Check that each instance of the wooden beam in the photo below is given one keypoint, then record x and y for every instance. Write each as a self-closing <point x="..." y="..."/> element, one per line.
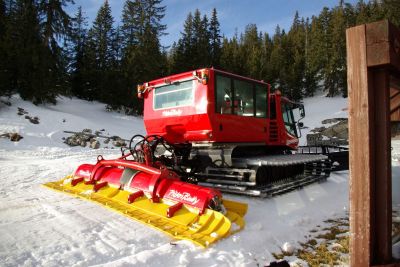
<point x="395" y="102"/>
<point x="394" y="99"/>
<point x="359" y="157"/>
<point x="371" y="57"/>
<point x="381" y="179"/>
<point x="383" y="44"/>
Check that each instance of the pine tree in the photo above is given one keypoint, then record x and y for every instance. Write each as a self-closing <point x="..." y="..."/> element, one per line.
<point x="78" y="39"/>
<point x="131" y="20"/>
<point x="339" y="50"/>
<point x="101" y="35"/>
<point x="310" y="72"/>
<point x="8" y="51"/>
<point x="56" y="22"/>
<point x="277" y="60"/>
<point x="231" y="55"/>
<point x="184" y="51"/>
<point x="55" y="26"/>
<point x="266" y="72"/>
<point x="363" y="14"/>
<point x="2" y="18"/>
<point x="35" y="70"/>
<point x="391" y="9"/>
<point x="215" y="39"/>
<point x="295" y="60"/>
<point x="100" y="56"/>
<point x="251" y="52"/>
<point x="4" y="76"/>
<point x="142" y="54"/>
<point x="201" y="41"/>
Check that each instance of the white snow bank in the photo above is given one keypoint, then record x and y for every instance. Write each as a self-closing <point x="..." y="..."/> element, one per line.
<point x="76" y="113"/>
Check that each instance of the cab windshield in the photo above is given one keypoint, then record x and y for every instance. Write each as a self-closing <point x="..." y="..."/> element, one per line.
<point x="177" y="94"/>
<point x="288" y="118"/>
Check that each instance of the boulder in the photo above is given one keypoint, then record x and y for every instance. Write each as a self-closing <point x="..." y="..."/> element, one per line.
<point x="119" y="143"/>
<point x="15" y="137"/>
<point x="334" y="135"/>
<point x="88" y="131"/>
<point x="95" y="144"/>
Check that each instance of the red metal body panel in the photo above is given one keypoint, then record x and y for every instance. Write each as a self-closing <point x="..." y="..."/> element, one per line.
<point x="285" y="139"/>
<point x="179" y="124"/>
<point x="199" y="121"/>
<point x="230" y="128"/>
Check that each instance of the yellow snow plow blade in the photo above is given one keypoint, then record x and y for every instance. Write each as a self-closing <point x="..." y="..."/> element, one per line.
<point x="186" y="224"/>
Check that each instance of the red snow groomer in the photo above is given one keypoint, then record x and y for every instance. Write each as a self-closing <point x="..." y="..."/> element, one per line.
<point x="208" y="130"/>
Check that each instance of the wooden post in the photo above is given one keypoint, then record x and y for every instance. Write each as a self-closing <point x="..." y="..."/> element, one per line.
<point x="372" y="57"/>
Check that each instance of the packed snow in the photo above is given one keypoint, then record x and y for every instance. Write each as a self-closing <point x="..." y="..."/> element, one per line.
<point x="40" y="227"/>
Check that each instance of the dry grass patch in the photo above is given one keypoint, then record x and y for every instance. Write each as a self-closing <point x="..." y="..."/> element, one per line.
<point x="325" y="246"/>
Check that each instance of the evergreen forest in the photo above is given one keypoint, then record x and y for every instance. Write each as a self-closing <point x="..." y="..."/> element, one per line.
<point x="45" y="52"/>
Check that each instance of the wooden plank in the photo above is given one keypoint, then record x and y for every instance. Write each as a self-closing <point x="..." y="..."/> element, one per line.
<point x="393" y="91"/>
<point x="394" y="40"/>
<point x="377" y="38"/>
<point x="373" y="56"/>
<point x="395" y="116"/>
<point x="359" y="155"/>
<point x="394" y="102"/>
<point x="381" y="179"/>
<point x="383" y="44"/>
<point x="394" y="99"/>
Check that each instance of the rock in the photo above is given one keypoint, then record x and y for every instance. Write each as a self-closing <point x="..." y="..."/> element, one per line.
<point x="15" y="137"/>
<point x="109" y="108"/>
<point x="115" y="137"/>
<point x="318" y="129"/>
<point x="288" y="248"/>
<point x="72" y="141"/>
<point x="334" y="120"/>
<point x="336" y="246"/>
<point x="64" y="120"/>
<point x="21" y="111"/>
<point x="95" y="144"/>
<point x="106" y="141"/>
<point x="34" y="120"/>
<point x="97" y="133"/>
<point x="334" y="135"/>
<point x="77" y="140"/>
<point x="119" y="143"/>
<point x="5" y="102"/>
<point x="88" y="131"/>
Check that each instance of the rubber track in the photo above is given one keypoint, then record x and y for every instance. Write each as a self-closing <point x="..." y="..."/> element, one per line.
<point x="317" y="168"/>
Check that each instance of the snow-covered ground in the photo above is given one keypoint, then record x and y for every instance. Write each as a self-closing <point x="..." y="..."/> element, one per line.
<point x="39" y="227"/>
